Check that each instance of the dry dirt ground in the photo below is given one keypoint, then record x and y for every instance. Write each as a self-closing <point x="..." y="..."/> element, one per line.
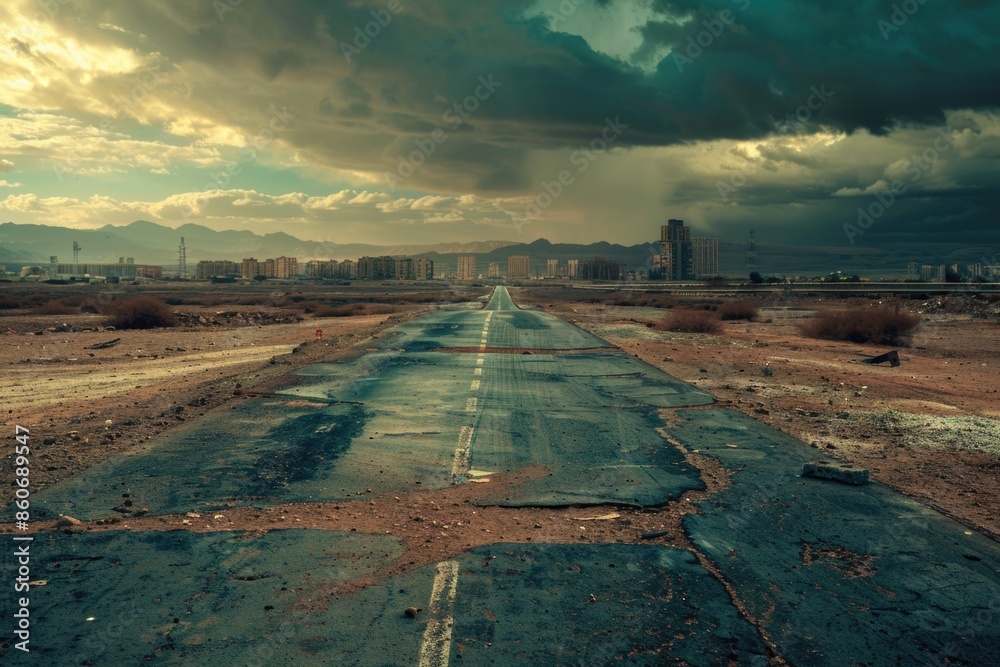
<point x="929" y="428"/>
<point x="84" y="406"/>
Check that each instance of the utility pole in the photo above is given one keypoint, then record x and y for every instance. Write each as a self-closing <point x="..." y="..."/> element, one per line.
<point x="182" y="260"/>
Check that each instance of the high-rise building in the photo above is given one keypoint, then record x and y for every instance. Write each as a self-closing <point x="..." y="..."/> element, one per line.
<point x="676" y="255"/>
<point x="211" y="269"/>
<point x="423" y="269"/>
<point x="494" y="270"/>
<point x="603" y="269"/>
<point x="376" y="268"/>
<point x="147" y="271"/>
<point x="912" y="271"/>
<point x="249" y="268"/>
<point x="270" y="268"/>
<point x="572" y="268"/>
<point x="348" y="269"/>
<point x="552" y="268"/>
<point x="286" y="267"/>
<point x="518" y="266"/>
<point x="466" y="268"/>
<point x="934" y="274"/>
<point x="704" y="257"/>
<point x="318" y="268"/>
<point x="674" y="230"/>
<point x="403" y="268"/>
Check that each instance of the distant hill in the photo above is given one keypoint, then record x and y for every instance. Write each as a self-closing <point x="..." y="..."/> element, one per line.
<point x="151" y="243"/>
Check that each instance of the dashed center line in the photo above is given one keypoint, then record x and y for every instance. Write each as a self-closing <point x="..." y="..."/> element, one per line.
<point x="475" y="385"/>
<point x="436" y="647"/>
<point x="470" y="405"/>
<point x="479" y="361"/>
<point x="477" y="371"/>
<point x="460" y="463"/>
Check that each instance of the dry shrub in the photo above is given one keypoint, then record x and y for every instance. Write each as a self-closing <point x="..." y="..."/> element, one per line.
<point x="8" y="302"/>
<point x="739" y="310"/>
<point x="691" y="321"/>
<point x="55" y="307"/>
<point x="885" y="324"/>
<point x="139" y="312"/>
<point x="343" y="310"/>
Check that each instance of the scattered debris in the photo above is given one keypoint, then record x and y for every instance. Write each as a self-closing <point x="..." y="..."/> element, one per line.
<point x="891" y="357"/>
<point x="837" y="472"/>
<point x="105" y="345"/>
<point x="236" y="319"/>
<point x="652" y="535"/>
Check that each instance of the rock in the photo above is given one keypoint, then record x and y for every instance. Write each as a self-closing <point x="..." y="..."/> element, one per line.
<point x="835" y="471"/>
<point x="411" y="612"/>
<point x="65" y="521"/>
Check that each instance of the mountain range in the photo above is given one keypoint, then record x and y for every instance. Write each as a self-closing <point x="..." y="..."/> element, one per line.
<point x="151" y="243"/>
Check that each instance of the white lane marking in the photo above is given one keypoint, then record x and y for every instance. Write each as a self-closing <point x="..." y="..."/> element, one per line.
<point x="474" y="386"/>
<point x="436" y="648"/>
<point x="479" y="361"/>
<point x="477" y="371"/>
<point x="482" y="346"/>
<point x="470" y="405"/>
<point x="460" y="463"/>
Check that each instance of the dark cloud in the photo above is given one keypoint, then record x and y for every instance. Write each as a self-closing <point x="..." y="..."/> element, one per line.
<point x="362" y="104"/>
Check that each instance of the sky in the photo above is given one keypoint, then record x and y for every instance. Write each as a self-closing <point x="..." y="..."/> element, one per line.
<point x="866" y="124"/>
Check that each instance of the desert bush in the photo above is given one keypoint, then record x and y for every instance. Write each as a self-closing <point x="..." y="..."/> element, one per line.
<point x="691" y="321"/>
<point x="885" y="324"/>
<point x="343" y="310"/>
<point x="738" y="310"/>
<point x="139" y="312"/>
<point x="73" y="301"/>
<point x="90" y="306"/>
<point x="8" y="302"/>
<point x="55" y="307"/>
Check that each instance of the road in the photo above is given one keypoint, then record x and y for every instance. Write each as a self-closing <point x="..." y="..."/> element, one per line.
<point x="496" y="469"/>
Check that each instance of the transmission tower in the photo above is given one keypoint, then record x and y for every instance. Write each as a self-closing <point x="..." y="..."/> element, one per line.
<point x="182" y="268"/>
<point x="76" y="252"/>
<point x="751" y="254"/>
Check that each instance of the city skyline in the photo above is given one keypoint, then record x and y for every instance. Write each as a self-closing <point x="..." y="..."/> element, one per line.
<point x="350" y="122"/>
<point x="697" y="257"/>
